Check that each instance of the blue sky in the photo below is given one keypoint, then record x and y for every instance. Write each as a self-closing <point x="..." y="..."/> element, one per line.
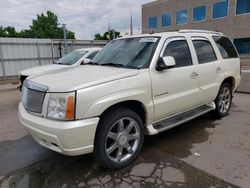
<point x="84" y="17"/>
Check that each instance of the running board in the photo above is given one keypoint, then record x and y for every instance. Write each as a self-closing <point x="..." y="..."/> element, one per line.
<point x="182" y="118"/>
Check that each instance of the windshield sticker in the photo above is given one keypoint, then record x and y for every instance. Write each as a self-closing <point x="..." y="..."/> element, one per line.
<point x="148" y="40"/>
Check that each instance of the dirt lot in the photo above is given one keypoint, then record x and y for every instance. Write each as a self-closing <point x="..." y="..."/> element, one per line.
<point x="202" y="153"/>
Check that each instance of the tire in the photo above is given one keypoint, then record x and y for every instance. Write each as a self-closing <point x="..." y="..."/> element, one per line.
<point x="119" y="138"/>
<point x="223" y="101"/>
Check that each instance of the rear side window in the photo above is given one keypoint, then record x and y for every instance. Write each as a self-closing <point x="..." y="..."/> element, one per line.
<point x="179" y="50"/>
<point x="226" y="47"/>
<point x="204" y="50"/>
<point x="91" y="56"/>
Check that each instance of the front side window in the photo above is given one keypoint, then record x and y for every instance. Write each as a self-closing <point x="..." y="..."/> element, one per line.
<point x="166" y="20"/>
<point x="225" y="47"/>
<point x="204" y="50"/>
<point x="220" y="9"/>
<point x="127" y="53"/>
<point x="242" y="45"/>
<point x="199" y="14"/>
<point x="71" y="58"/>
<point x="92" y="55"/>
<point x="242" y="7"/>
<point x="179" y="50"/>
<point x="153" y="22"/>
<point x="181" y="17"/>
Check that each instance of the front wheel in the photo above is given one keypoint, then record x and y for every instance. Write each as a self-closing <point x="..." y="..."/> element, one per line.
<point x="223" y="100"/>
<point x="119" y="138"/>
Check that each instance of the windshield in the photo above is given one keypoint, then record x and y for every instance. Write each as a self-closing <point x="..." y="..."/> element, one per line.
<point x="127" y="53"/>
<point x="71" y="58"/>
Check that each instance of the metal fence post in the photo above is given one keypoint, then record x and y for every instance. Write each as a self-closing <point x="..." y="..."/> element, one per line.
<point x="2" y="62"/>
<point x="52" y="51"/>
<point x="38" y="53"/>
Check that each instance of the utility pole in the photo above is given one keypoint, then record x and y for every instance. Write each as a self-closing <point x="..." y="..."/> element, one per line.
<point x="131" y="24"/>
<point x="65" y="38"/>
<point x="109" y="32"/>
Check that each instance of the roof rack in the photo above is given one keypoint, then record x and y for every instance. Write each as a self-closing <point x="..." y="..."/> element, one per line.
<point x="199" y="31"/>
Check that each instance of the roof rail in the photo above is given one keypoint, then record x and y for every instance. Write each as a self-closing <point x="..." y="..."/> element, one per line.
<point x="199" y="31"/>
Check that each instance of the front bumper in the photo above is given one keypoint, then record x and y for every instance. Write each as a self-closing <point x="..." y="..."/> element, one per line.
<point x="66" y="137"/>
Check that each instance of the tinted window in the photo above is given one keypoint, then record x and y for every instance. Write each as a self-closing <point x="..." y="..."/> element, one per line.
<point x="181" y="17"/>
<point x="220" y="9"/>
<point x="242" y="7"/>
<point x="153" y="22"/>
<point x="225" y="46"/>
<point x="204" y="50"/>
<point x="242" y="45"/>
<point x="166" y="20"/>
<point x="91" y="56"/>
<point x="180" y="51"/>
<point x="199" y="14"/>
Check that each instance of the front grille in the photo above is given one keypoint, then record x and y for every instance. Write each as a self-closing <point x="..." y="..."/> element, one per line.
<point x="33" y="96"/>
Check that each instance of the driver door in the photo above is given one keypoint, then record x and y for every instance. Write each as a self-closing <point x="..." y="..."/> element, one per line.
<point x="175" y="89"/>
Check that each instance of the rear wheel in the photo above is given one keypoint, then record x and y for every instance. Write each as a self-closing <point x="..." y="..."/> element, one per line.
<point x="119" y="138"/>
<point x="223" y="100"/>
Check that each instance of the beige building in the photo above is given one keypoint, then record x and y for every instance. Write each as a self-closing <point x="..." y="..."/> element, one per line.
<point x="232" y="17"/>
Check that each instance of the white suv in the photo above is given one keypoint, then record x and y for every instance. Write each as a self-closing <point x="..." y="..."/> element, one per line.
<point x="134" y="86"/>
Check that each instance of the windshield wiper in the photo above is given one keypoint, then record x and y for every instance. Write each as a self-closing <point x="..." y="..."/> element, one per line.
<point x="113" y="64"/>
<point x="91" y="63"/>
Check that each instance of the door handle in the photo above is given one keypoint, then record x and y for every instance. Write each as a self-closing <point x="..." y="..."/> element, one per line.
<point x="218" y="69"/>
<point x="194" y="74"/>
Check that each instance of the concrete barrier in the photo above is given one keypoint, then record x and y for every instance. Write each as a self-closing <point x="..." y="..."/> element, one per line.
<point x="245" y="82"/>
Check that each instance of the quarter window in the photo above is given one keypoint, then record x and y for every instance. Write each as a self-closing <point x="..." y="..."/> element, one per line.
<point x="179" y="50"/>
<point x="181" y="17"/>
<point x="220" y="9"/>
<point x="242" y="7"/>
<point x="204" y="50"/>
<point x="199" y="14"/>
<point x="166" y="20"/>
<point x="91" y="56"/>
<point x="153" y="22"/>
<point x="226" y="47"/>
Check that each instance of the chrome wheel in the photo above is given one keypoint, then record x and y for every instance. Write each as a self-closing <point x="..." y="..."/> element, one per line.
<point x="224" y="100"/>
<point x="122" y="140"/>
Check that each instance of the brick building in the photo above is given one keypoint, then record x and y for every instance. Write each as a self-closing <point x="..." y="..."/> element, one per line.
<point x="232" y="17"/>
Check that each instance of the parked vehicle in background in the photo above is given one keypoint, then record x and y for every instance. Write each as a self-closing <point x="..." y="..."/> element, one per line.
<point x="134" y="86"/>
<point x="74" y="58"/>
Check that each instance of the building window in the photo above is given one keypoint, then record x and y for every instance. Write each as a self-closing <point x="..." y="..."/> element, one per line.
<point x="181" y="17"/>
<point x="166" y="20"/>
<point x="204" y="50"/>
<point x="199" y="14"/>
<point x="242" y="45"/>
<point x="242" y="7"/>
<point x="226" y="47"/>
<point x="153" y="22"/>
<point x="220" y="9"/>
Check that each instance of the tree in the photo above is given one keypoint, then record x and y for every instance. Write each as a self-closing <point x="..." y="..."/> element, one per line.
<point x="47" y="26"/>
<point x="44" y="26"/>
<point x="105" y="36"/>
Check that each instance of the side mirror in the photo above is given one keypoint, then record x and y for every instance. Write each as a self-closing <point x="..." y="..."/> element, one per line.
<point x="85" y="61"/>
<point x="165" y="63"/>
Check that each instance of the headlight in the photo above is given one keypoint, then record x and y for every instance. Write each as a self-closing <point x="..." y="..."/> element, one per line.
<point x="61" y="106"/>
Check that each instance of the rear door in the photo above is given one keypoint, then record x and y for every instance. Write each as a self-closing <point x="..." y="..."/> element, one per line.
<point x="209" y="69"/>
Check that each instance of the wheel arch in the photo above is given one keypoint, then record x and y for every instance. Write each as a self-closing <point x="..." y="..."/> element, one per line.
<point x="230" y="80"/>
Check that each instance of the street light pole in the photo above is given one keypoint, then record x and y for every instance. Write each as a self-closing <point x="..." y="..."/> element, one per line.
<point x="65" y="38"/>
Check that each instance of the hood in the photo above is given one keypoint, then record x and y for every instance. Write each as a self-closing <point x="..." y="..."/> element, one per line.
<point x="81" y="77"/>
<point x="42" y="69"/>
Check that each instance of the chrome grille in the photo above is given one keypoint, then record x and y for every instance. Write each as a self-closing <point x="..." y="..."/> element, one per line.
<point x="33" y="96"/>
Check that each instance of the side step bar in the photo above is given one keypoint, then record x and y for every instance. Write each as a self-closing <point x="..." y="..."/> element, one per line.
<point x="182" y="118"/>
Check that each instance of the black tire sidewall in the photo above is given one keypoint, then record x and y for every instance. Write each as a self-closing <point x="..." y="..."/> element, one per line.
<point x="106" y="121"/>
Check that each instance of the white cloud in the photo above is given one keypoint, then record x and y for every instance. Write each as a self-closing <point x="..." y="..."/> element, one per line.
<point x="83" y="17"/>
